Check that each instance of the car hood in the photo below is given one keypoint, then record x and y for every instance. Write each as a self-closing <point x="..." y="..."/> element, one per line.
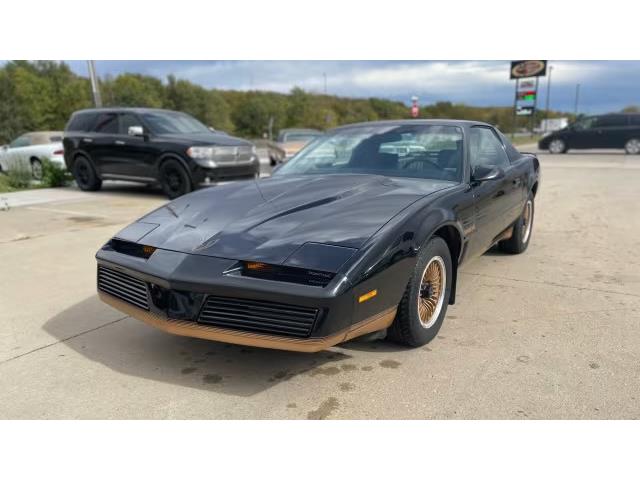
<point x="268" y="220"/>
<point x="204" y="138"/>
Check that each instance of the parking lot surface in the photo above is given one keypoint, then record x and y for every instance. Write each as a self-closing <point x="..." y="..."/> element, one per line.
<point x="552" y="333"/>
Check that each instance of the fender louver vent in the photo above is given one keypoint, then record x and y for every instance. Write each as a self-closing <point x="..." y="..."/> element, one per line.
<point x="258" y="316"/>
<point x="123" y="286"/>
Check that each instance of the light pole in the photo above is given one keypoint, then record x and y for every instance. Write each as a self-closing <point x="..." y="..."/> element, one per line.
<point x="95" y="86"/>
<point x="546" y="108"/>
<point x="324" y="75"/>
<point x="577" y="98"/>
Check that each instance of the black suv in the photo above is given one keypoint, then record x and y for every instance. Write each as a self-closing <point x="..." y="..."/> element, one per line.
<point x="614" y="130"/>
<point x="152" y="146"/>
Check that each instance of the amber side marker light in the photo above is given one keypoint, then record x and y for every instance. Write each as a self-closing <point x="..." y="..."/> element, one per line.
<point x="367" y="296"/>
<point x="147" y="250"/>
<point x="256" y="266"/>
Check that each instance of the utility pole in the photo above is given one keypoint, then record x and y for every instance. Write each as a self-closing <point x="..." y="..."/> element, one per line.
<point x="546" y="108"/>
<point x="95" y="86"/>
<point x="577" y="98"/>
<point x="325" y="82"/>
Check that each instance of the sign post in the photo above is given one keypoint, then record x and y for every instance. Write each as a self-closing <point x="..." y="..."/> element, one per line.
<point x="526" y="93"/>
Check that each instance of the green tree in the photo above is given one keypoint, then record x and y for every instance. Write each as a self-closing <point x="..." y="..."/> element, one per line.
<point x="133" y="90"/>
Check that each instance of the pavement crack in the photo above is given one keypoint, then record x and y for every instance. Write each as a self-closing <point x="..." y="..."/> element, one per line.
<point x="63" y="340"/>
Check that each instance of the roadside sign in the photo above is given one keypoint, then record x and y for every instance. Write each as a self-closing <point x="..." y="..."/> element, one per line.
<point x="527" y="95"/>
<point x="524" y="110"/>
<point x="528" y="68"/>
<point x="414" y="111"/>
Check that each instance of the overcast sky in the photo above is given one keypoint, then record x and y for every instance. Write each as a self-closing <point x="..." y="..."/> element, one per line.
<point x="605" y="85"/>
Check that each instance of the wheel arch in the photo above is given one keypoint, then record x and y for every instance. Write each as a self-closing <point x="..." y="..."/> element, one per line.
<point x="453" y="238"/>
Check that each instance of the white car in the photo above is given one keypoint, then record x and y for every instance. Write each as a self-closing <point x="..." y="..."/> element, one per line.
<point x="28" y="151"/>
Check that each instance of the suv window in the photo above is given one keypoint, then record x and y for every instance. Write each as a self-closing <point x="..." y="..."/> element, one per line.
<point x="81" y="122"/>
<point x="106" y="123"/>
<point x="611" y="121"/>
<point x="128" y="120"/>
<point x="634" y="120"/>
<point x="23" y="141"/>
<point x="584" y="123"/>
<point x="485" y="149"/>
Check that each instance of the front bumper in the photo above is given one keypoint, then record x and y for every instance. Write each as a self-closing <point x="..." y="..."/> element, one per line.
<point x="193" y="279"/>
<point x="204" y="176"/>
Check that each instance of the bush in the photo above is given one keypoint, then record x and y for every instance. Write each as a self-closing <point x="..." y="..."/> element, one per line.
<point x="53" y="175"/>
<point x="19" y="177"/>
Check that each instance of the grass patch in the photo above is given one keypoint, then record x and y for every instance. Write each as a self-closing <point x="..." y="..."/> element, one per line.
<point x="21" y="178"/>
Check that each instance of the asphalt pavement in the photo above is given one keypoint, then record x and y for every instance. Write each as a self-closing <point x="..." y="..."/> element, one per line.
<point x="552" y="333"/>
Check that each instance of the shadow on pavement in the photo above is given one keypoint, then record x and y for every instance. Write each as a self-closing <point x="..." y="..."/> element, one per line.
<point x="128" y="346"/>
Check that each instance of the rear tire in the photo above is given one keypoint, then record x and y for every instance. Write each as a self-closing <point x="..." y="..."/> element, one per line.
<point x="632" y="147"/>
<point x="174" y="179"/>
<point x="85" y="175"/>
<point x="522" y="230"/>
<point x="557" y="146"/>
<point x="425" y="300"/>
<point x="36" y="168"/>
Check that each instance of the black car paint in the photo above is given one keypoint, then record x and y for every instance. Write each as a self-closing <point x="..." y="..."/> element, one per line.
<point x="138" y="158"/>
<point x="380" y="223"/>
<point x="599" y="135"/>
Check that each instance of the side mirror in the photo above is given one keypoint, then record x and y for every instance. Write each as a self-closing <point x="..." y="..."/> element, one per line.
<point x="136" y="131"/>
<point x="486" y="174"/>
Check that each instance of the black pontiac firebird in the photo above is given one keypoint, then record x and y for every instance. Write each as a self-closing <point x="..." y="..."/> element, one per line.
<point x="362" y="231"/>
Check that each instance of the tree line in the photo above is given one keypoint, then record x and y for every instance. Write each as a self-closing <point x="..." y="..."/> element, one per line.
<point x="42" y="95"/>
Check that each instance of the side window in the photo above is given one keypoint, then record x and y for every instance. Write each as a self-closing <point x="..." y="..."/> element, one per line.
<point x="611" y="121"/>
<point x="106" y="123"/>
<point x="22" y="141"/>
<point x="486" y="150"/>
<point x="585" y="123"/>
<point x="634" y="120"/>
<point x="128" y="120"/>
<point x="81" y="122"/>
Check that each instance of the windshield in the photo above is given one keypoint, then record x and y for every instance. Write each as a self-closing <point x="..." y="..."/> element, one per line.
<point x="167" y="123"/>
<point x="419" y="151"/>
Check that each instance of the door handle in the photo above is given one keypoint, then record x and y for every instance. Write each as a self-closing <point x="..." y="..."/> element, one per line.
<point x="119" y="142"/>
<point x="87" y="140"/>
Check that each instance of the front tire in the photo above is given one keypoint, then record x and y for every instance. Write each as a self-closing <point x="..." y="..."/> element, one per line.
<point x="557" y="146"/>
<point x="522" y="230"/>
<point x="85" y="175"/>
<point x="632" y="147"/>
<point x="424" y="304"/>
<point x="174" y="179"/>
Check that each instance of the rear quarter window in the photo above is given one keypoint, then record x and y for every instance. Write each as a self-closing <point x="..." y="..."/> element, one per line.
<point x="80" y="122"/>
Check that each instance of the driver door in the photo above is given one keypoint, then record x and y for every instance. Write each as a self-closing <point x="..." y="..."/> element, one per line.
<point x="496" y="201"/>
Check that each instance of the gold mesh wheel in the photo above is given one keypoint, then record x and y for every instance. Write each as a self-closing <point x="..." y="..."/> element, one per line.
<point x="431" y="293"/>
<point x="527" y="219"/>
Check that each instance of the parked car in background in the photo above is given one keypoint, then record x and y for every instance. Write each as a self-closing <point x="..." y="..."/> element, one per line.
<point x="291" y="140"/>
<point x="29" y="150"/>
<point x="153" y="146"/>
<point x="269" y="149"/>
<point x="614" y="130"/>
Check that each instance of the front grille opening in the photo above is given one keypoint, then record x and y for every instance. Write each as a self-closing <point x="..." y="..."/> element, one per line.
<point x="279" y="273"/>
<point x="123" y="286"/>
<point x="131" y="248"/>
<point x="258" y="316"/>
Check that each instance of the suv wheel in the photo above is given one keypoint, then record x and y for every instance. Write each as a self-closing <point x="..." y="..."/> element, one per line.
<point x="557" y="146"/>
<point x="174" y="179"/>
<point x="85" y="175"/>
<point x="632" y="147"/>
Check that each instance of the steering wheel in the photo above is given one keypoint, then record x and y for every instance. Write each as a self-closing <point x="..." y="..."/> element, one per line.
<point x="423" y="159"/>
